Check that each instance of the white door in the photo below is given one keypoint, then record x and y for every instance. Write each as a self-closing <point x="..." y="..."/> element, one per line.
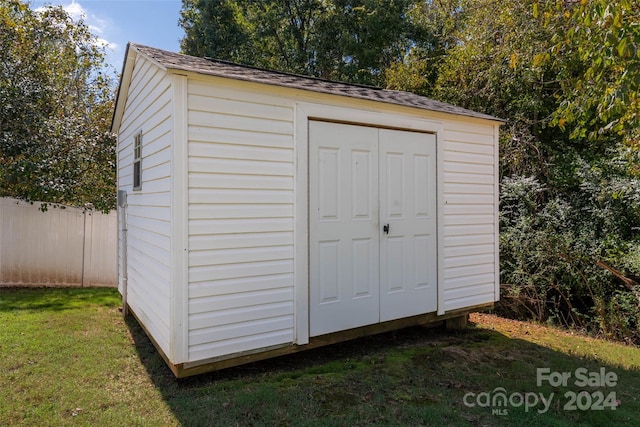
<point x="361" y="179"/>
<point x="408" y="256"/>
<point x="344" y="238"/>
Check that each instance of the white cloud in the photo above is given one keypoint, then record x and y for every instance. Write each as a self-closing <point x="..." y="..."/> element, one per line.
<point x="107" y="44"/>
<point x="96" y="24"/>
<point x="76" y="11"/>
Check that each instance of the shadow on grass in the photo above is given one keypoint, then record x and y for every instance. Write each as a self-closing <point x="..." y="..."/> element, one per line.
<point x="56" y="299"/>
<point x="414" y="376"/>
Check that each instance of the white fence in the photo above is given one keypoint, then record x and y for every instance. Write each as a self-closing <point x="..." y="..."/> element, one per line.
<point x="60" y="247"/>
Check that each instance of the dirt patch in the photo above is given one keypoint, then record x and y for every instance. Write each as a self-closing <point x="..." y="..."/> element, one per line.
<point x="456" y="353"/>
<point x="521" y="329"/>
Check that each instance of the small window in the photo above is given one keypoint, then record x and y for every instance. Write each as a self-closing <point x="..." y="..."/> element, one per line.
<point x="137" y="161"/>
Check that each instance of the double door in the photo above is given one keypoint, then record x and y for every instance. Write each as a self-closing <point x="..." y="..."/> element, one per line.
<point x="372" y="225"/>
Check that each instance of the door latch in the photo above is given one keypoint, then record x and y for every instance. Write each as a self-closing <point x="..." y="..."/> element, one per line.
<point x="385" y="228"/>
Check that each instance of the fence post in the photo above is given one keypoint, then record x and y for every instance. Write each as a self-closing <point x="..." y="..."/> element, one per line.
<point x="86" y="248"/>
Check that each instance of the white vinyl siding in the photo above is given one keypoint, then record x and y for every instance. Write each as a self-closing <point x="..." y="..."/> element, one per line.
<point x="148" y="110"/>
<point x="470" y="228"/>
<point x="240" y="221"/>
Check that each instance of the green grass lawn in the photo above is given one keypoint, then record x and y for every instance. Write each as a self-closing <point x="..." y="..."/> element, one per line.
<point x="68" y="358"/>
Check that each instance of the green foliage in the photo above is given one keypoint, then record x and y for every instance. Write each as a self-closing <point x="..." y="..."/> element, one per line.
<point x="595" y="48"/>
<point x="55" y="110"/>
<point x="490" y="69"/>
<point x="434" y="25"/>
<point x="621" y="317"/>
<point x="214" y="29"/>
<point x="553" y="249"/>
<point x="349" y="40"/>
<point x="359" y="39"/>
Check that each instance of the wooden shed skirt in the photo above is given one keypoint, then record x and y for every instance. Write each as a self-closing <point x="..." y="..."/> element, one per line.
<point x="182" y="370"/>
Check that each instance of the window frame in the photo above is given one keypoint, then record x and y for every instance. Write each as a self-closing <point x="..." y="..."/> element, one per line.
<point x="137" y="161"/>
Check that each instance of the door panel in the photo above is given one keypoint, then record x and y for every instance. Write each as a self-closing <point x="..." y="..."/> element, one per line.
<point x="362" y="168"/>
<point x="424" y="194"/>
<point x="393" y="182"/>
<point x="359" y="179"/>
<point x="344" y="237"/>
<point x="408" y="264"/>
<point x="329" y="259"/>
<point x="329" y="178"/>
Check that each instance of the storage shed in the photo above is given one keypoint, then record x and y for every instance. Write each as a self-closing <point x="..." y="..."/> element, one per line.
<point x="268" y="213"/>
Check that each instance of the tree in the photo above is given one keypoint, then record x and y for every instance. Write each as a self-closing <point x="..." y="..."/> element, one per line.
<point x="55" y="110"/>
<point x="349" y="40"/>
<point x="215" y="29"/>
<point x="433" y="26"/>
<point x="600" y="96"/>
<point x="359" y="39"/>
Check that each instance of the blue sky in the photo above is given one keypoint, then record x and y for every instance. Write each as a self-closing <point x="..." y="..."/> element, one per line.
<point x="116" y="22"/>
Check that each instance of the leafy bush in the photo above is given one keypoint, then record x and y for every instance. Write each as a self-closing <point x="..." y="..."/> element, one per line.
<point x="570" y="255"/>
<point x="621" y="317"/>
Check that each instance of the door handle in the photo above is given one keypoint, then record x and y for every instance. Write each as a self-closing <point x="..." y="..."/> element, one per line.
<point x="385" y="228"/>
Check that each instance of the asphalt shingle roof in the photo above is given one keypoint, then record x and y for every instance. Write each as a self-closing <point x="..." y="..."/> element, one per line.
<point x="213" y="67"/>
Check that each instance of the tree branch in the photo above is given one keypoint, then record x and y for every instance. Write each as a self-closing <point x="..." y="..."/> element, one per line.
<point x="628" y="282"/>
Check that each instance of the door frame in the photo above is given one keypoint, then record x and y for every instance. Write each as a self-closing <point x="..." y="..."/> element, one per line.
<point x="305" y="111"/>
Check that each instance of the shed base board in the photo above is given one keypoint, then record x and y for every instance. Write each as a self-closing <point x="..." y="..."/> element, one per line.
<point x="182" y="370"/>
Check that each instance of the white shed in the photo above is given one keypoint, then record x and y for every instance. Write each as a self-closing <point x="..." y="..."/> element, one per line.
<point x="269" y="213"/>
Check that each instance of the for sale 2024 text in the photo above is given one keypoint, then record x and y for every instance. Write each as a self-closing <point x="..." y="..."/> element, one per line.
<point x="582" y="400"/>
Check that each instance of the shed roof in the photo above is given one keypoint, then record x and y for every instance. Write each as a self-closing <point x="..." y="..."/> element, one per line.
<point x="218" y="68"/>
